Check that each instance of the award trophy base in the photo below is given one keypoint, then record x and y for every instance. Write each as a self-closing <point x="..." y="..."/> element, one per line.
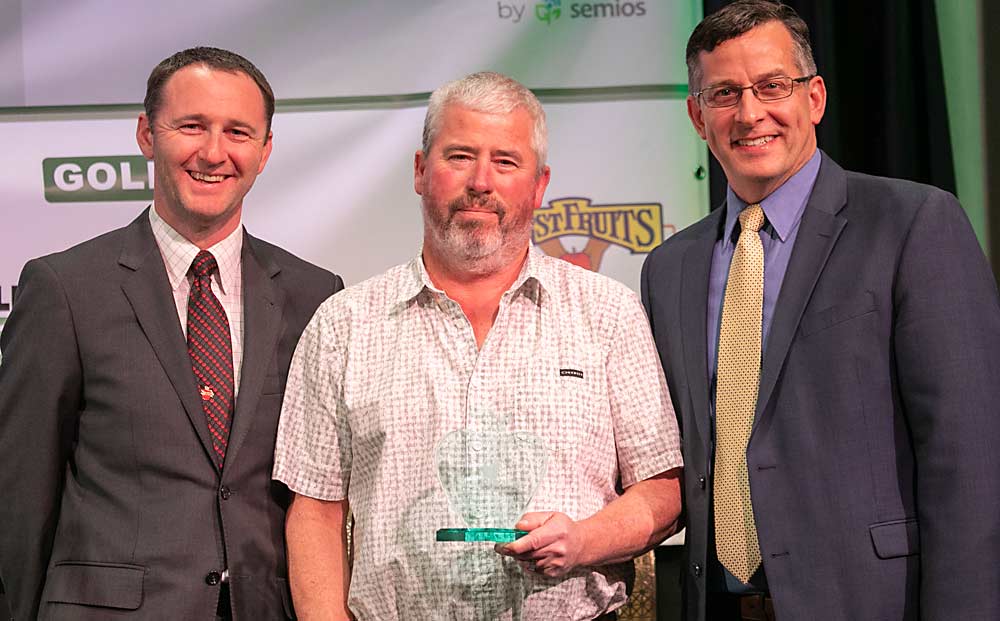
<point x="495" y="535"/>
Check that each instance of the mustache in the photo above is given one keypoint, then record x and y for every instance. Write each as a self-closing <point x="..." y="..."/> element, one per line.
<point x="482" y="203"/>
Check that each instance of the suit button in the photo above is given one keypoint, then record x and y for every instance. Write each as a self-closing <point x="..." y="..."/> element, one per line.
<point x="213" y="578"/>
<point x="225" y="492"/>
<point x="696" y="569"/>
<point x="701" y="482"/>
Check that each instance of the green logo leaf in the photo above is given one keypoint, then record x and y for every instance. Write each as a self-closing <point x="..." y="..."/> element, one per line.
<point x="548" y="11"/>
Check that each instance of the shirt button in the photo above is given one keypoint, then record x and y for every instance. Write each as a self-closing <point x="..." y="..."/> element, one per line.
<point x="213" y="578"/>
<point x="701" y="482"/>
<point x="696" y="569"/>
<point x="225" y="492"/>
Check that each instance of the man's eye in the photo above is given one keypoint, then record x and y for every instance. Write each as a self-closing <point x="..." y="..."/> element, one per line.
<point x="769" y="86"/>
<point x="724" y="91"/>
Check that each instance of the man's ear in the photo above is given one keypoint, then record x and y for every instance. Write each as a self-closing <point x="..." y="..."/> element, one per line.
<point x="419" y="162"/>
<point x="266" y="152"/>
<point x="694" y="113"/>
<point x="817" y="99"/>
<point x="144" y="136"/>
<point x="541" y="183"/>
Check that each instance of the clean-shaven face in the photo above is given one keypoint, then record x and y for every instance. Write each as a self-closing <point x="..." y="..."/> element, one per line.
<point x="208" y="142"/>
<point x="759" y="144"/>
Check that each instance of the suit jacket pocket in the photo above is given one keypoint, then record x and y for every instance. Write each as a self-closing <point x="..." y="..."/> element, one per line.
<point x="839" y="313"/>
<point x="111" y="585"/>
<point x="272" y="385"/>
<point x="896" y="538"/>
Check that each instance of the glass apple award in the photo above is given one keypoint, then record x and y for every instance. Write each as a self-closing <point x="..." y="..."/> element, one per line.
<point x="489" y="475"/>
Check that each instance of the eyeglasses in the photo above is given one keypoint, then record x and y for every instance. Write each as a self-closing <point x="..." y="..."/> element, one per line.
<point x="771" y="89"/>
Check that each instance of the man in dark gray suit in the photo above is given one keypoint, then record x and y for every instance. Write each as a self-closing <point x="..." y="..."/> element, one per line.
<point x="142" y="378"/>
<point x="836" y="371"/>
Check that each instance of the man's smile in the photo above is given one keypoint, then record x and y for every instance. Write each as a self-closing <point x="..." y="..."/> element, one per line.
<point x="197" y="176"/>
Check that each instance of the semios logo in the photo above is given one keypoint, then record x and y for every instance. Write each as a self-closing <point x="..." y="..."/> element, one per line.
<point x="97" y="179"/>
<point x="550" y="11"/>
<point x="598" y="10"/>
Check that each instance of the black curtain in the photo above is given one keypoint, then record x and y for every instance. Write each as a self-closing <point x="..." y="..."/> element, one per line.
<point x="991" y="95"/>
<point x="885" y="112"/>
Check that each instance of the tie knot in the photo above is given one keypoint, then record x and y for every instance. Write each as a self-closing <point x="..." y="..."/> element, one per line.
<point x="752" y="218"/>
<point x="204" y="264"/>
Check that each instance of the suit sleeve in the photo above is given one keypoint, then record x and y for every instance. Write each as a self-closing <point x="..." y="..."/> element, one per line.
<point x="40" y="397"/>
<point x="947" y="350"/>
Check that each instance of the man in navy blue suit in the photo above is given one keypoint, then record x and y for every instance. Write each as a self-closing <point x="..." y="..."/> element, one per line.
<point x="868" y="458"/>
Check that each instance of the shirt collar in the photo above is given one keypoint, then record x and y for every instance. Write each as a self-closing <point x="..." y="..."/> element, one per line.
<point x="783" y="208"/>
<point x="179" y="253"/>
<point x="529" y="281"/>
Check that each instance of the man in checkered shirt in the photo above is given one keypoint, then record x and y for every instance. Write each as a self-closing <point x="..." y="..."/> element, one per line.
<point x="477" y="326"/>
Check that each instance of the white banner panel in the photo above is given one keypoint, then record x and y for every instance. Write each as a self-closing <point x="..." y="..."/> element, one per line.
<point x="338" y="189"/>
<point x="101" y="51"/>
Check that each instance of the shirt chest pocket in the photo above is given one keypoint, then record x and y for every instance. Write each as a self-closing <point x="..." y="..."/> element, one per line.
<point x="565" y="403"/>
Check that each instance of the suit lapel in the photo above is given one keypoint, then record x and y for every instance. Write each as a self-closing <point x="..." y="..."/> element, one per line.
<point x="147" y="289"/>
<point x="695" y="271"/>
<point x="262" y="304"/>
<point x="818" y="232"/>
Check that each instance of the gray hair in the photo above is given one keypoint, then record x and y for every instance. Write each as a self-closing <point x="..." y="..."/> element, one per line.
<point x="737" y="19"/>
<point x="492" y="93"/>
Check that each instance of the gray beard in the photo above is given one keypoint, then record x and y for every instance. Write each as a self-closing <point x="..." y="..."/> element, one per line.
<point x="475" y="247"/>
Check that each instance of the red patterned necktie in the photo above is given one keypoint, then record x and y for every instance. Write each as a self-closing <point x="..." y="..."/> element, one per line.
<point x="211" y="350"/>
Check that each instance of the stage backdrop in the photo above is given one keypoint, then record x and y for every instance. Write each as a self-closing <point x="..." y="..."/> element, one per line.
<point x="352" y="80"/>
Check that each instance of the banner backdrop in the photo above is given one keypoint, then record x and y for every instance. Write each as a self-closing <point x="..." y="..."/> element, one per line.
<point x="101" y="51"/>
<point x="352" y="79"/>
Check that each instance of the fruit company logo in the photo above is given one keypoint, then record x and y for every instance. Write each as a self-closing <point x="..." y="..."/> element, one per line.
<point x="550" y="11"/>
<point x="103" y="178"/>
<point x="636" y="227"/>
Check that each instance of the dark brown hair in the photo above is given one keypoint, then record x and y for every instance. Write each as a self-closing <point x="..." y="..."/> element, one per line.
<point x="738" y="18"/>
<point x="213" y="58"/>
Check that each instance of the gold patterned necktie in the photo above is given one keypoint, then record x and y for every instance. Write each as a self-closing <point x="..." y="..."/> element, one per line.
<point x="737" y="379"/>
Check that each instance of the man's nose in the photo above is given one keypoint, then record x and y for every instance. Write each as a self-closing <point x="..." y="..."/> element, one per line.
<point x="749" y="109"/>
<point x="212" y="150"/>
<point x="480" y="179"/>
